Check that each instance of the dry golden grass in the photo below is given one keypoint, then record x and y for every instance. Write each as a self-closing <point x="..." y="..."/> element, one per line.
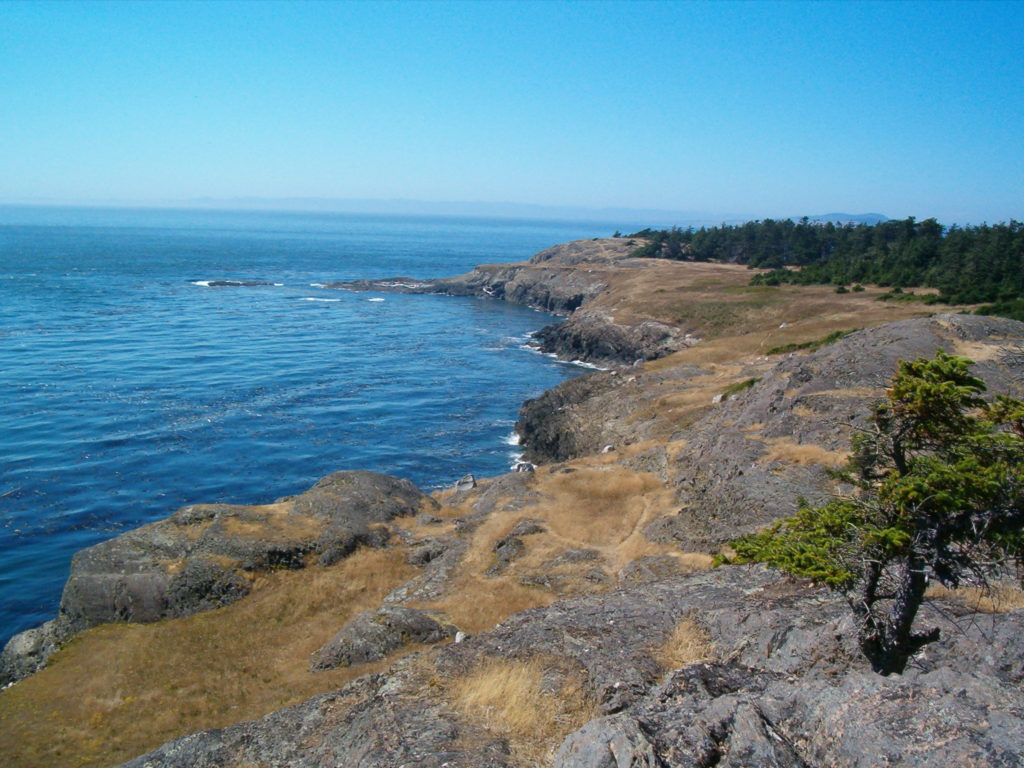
<point x="858" y="392"/>
<point x="694" y="561"/>
<point x="522" y="702"/>
<point x="804" y="454"/>
<point x="119" y="690"/>
<point x="996" y="599"/>
<point x="475" y="603"/>
<point x="737" y="324"/>
<point x="750" y="320"/>
<point x="687" y="644"/>
<point x="599" y="506"/>
<point x="978" y="351"/>
<point x="271" y="522"/>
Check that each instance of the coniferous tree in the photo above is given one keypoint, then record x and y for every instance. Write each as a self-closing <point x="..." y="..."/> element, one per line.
<point x="941" y="478"/>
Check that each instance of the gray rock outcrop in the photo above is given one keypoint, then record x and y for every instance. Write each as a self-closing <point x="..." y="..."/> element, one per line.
<point x="748" y="459"/>
<point x="786" y="688"/>
<point x="747" y="462"/>
<point x="203" y="556"/>
<point x="372" y="635"/>
<point x="596" y="337"/>
<point x="562" y="280"/>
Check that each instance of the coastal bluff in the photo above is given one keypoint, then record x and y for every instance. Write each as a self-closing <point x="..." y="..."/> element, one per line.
<point x="571" y="279"/>
<point x="567" y="616"/>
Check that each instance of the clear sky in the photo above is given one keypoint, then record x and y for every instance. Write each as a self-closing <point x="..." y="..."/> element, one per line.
<point x="744" y="109"/>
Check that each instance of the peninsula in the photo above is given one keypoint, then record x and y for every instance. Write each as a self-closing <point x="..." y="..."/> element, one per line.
<point x="567" y="615"/>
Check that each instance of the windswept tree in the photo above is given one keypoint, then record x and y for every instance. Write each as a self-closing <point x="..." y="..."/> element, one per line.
<point x="940" y="478"/>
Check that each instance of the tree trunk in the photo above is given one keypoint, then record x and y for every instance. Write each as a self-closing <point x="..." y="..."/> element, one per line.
<point x="889" y="641"/>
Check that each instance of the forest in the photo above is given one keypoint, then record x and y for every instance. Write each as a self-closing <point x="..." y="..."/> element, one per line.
<point x="981" y="264"/>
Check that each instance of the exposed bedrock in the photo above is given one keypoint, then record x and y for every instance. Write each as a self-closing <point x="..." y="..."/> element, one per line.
<point x="784" y="687"/>
<point x="596" y="337"/>
<point x="550" y="427"/>
<point x="731" y="716"/>
<point x="372" y="635"/>
<point x="562" y="280"/>
<point x="555" y="290"/>
<point x="204" y="556"/>
<point x="749" y="460"/>
<point x="745" y="461"/>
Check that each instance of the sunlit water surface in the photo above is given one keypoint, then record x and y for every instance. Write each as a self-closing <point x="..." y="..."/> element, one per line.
<point x="128" y="388"/>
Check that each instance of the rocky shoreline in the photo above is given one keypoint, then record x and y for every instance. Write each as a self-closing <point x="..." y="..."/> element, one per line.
<point x="586" y="583"/>
<point x="563" y="280"/>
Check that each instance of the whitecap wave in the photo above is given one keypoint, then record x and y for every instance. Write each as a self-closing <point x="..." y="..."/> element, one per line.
<point x="375" y="299"/>
<point x="222" y="283"/>
<point x="581" y="363"/>
<point x="317" y="285"/>
<point x="585" y="364"/>
<point x="317" y="298"/>
<point x="402" y="284"/>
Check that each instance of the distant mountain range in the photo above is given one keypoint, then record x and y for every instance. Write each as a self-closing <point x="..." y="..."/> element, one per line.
<point x="850" y="218"/>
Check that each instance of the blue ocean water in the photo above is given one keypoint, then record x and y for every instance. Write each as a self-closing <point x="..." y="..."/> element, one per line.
<point x="128" y="388"/>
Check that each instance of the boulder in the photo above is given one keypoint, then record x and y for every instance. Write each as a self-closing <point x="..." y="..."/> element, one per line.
<point x="466" y="483"/>
<point x="372" y="635"/>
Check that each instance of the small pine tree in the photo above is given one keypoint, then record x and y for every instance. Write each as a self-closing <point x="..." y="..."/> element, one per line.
<point x="940" y="474"/>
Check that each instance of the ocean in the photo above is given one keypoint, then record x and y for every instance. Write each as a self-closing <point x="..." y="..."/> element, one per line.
<point x="130" y="387"/>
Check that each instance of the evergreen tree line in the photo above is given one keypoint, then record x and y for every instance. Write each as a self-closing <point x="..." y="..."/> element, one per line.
<point x="968" y="265"/>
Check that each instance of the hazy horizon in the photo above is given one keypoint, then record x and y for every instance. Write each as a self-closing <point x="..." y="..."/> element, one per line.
<point x="625" y="220"/>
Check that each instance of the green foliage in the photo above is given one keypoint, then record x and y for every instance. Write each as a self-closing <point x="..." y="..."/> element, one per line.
<point x="940" y="473"/>
<point x="968" y="265"/>
<point x="811" y="544"/>
<point x="1013" y="309"/>
<point x="739" y="386"/>
<point x="809" y="345"/>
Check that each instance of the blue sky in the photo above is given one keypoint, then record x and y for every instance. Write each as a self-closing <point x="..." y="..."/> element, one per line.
<point x="725" y="109"/>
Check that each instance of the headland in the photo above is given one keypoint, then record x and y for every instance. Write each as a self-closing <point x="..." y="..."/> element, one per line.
<point x="567" y="615"/>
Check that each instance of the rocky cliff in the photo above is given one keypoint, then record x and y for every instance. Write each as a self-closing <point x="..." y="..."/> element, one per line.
<point x="568" y="615"/>
<point x="563" y="280"/>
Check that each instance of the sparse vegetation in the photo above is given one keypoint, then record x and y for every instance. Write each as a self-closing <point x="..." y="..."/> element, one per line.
<point x="120" y="690"/>
<point x="740" y="386"/>
<point x="898" y="294"/>
<point x="809" y="346"/>
<point x="532" y="703"/>
<point x="601" y="507"/>
<point x="687" y="644"/>
<point x="1012" y="308"/>
<point x="803" y="454"/>
<point x="994" y="598"/>
<point x="941" y="476"/>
